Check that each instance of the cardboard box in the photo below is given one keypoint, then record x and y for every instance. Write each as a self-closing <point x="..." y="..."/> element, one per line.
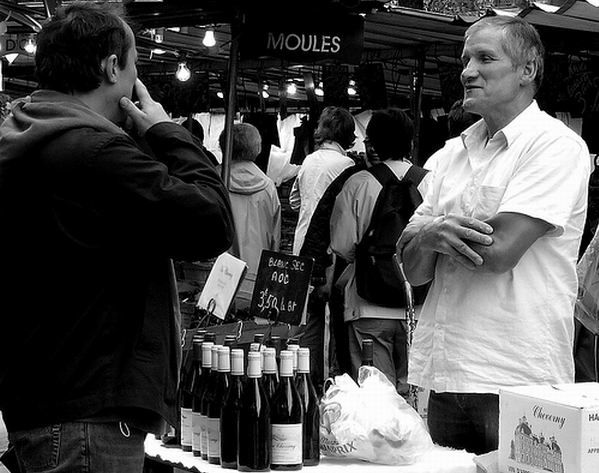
<point x="549" y="429"/>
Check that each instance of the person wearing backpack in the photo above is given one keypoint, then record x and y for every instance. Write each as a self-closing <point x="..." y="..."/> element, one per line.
<point x="356" y="217"/>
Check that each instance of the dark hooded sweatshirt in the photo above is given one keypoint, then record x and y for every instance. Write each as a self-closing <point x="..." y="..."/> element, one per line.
<point x="89" y="224"/>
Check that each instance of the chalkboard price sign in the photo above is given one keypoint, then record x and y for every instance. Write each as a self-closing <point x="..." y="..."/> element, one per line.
<point x="281" y="287"/>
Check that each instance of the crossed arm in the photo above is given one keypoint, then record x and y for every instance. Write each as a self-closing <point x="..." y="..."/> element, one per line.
<point x="493" y="246"/>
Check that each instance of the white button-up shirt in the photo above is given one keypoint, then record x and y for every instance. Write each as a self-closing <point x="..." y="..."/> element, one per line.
<point x="478" y="331"/>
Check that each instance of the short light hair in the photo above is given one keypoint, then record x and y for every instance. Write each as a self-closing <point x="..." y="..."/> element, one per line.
<point x="522" y="42"/>
<point x="335" y="124"/>
<point x="247" y="142"/>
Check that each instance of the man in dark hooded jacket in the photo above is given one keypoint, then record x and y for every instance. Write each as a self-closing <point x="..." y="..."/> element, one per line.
<point x="89" y="322"/>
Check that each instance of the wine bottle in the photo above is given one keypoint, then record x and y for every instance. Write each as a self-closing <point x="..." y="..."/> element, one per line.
<point x="254" y="439"/>
<point x="293" y="348"/>
<point x="287" y="416"/>
<point x="229" y="418"/>
<point x="187" y="387"/>
<point x="207" y="399"/>
<point x="256" y="347"/>
<point x="311" y="426"/>
<point x="276" y="343"/>
<point x="367" y="352"/>
<point x="270" y="373"/>
<point x="221" y="387"/>
<point x="197" y="423"/>
<point x="230" y="341"/>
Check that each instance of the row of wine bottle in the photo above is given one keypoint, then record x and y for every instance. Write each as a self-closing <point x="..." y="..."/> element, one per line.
<point x="267" y="418"/>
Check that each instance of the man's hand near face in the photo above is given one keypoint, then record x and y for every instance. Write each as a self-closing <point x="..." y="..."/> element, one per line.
<point x="149" y="112"/>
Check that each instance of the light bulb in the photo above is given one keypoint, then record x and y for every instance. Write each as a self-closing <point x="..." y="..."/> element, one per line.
<point x="183" y="73"/>
<point x="319" y="90"/>
<point x="209" y="39"/>
<point x="351" y="89"/>
<point x="30" y="46"/>
<point x="265" y="94"/>
<point x="291" y="88"/>
<point x="220" y="95"/>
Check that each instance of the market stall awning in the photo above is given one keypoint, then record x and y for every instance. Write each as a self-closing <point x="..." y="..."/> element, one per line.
<point x="396" y="36"/>
<point x="572" y="28"/>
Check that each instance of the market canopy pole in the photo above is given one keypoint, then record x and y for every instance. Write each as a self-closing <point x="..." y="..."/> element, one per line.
<point x="231" y="99"/>
<point x="417" y="105"/>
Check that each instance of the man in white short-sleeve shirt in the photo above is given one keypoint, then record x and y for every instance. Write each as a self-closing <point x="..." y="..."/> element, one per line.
<point x="498" y="235"/>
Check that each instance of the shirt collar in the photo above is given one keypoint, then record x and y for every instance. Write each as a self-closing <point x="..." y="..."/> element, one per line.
<point x="518" y="126"/>
<point x="334" y="146"/>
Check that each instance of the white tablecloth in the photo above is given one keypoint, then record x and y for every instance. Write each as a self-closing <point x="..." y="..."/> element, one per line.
<point x="438" y="460"/>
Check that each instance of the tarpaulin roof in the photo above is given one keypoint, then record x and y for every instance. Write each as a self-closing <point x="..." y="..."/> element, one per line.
<point x="396" y="37"/>
<point x="572" y="28"/>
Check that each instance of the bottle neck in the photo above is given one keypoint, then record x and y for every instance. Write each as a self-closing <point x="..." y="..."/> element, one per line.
<point x="286" y="370"/>
<point x="254" y="362"/>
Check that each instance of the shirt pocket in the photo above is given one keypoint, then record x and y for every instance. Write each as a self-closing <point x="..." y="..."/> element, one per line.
<point x="487" y="202"/>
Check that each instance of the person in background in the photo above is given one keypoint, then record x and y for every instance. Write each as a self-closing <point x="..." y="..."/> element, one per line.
<point x="197" y="130"/>
<point x="255" y="204"/>
<point x="389" y="132"/>
<point x="5" y="101"/>
<point x="325" y="271"/>
<point x="334" y="135"/>
<point x="498" y="235"/>
<point x="90" y="339"/>
<point x="459" y="119"/>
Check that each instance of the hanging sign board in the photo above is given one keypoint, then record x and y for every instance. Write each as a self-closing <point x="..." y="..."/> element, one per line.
<point x="281" y="288"/>
<point x="12" y="43"/>
<point x="305" y="39"/>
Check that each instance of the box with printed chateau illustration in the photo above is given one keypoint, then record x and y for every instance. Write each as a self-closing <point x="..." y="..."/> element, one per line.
<point x="549" y="429"/>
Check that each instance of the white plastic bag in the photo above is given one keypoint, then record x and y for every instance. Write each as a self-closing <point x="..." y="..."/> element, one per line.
<point x="371" y="421"/>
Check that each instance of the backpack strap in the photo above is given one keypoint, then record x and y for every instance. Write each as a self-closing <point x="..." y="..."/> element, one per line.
<point x="415" y="174"/>
<point x="384" y="174"/>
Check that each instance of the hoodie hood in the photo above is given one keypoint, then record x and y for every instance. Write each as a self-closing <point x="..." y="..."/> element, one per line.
<point x="247" y="178"/>
<point x="44" y="114"/>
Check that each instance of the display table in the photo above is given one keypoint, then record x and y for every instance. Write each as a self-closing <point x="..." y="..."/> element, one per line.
<point x="438" y="460"/>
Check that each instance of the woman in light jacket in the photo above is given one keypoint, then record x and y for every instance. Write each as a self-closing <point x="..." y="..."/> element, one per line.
<point x="255" y="204"/>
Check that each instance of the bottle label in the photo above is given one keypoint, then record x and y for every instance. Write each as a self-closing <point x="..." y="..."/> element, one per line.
<point x="213" y="437"/>
<point x="196" y="427"/>
<point x="203" y="435"/>
<point x="186" y="427"/>
<point x="286" y="444"/>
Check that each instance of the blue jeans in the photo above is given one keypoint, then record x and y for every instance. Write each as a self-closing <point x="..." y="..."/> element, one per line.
<point x="110" y="447"/>
<point x="464" y="421"/>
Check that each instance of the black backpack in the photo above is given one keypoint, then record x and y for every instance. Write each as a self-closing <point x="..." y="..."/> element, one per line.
<point x="377" y="278"/>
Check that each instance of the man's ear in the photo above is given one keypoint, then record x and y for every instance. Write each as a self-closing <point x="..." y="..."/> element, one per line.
<point x="529" y="73"/>
<point x="110" y="68"/>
